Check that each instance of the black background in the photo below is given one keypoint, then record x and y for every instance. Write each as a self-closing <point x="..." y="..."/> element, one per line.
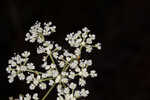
<point x="121" y="26"/>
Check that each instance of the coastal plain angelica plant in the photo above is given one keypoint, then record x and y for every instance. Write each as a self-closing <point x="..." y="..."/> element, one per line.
<point x="65" y="71"/>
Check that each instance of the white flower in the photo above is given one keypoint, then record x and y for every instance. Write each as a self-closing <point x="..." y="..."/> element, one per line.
<point x="86" y="30"/>
<point x="40" y="50"/>
<point x="36" y="80"/>
<point x="20" y="97"/>
<point x="42" y="86"/>
<point x="74" y="64"/>
<point x="10" y="79"/>
<point x="32" y="87"/>
<point x="64" y="80"/>
<point x="84" y="73"/>
<point x="44" y="75"/>
<point x="82" y="63"/>
<point x="72" y="86"/>
<point x="59" y="89"/>
<point x="55" y="73"/>
<point x="66" y="90"/>
<point x="58" y="78"/>
<point x="30" y="66"/>
<point x="68" y="59"/>
<point x="29" y="78"/>
<point x="12" y="62"/>
<point x="69" y="97"/>
<point x="93" y="73"/>
<point x="51" y="82"/>
<point x="84" y="93"/>
<point x="53" y="66"/>
<point x="53" y="28"/>
<point x="35" y="96"/>
<point x="77" y="69"/>
<point x="36" y="32"/>
<point x="47" y="29"/>
<point x="64" y="73"/>
<point x="55" y="55"/>
<point x="25" y="54"/>
<point x="98" y="46"/>
<point x="61" y="64"/>
<point x="71" y="75"/>
<point x="21" y="76"/>
<point x="50" y="46"/>
<point x="88" y="62"/>
<point x="8" y="69"/>
<point x="23" y="68"/>
<point x="88" y="48"/>
<point x="60" y="98"/>
<point x="27" y="97"/>
<point x="60" y="57"/>
<point x="82" y="82"/>
<point x="58" y="47"/>
<point x="77" y="94"/>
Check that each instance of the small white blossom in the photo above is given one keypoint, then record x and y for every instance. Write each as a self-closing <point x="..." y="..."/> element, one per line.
<point x="32" y="87"/>
<point x="42" y="86"/>
<point x="98" y="46"/>
<point x="35" y="96"/>
<point x="72" y="86"/>
<point x="64" y="80"/>
<point x="61" y="64"/>
<point x="60" y="98"/>
<point x="25" y="54"/>
<point x="30" y="66"/>
<point x="55" y="73"/>
<point x="59" y="89"/>
<point x="29" y="78"/>
<point x="21" y="76"/>
<point x="72" y="75"/>
<point x="74" y="64"/>
<point x="82" y="82"/>
<point x="84" y="73"/>
<point x="93" y="73"/>
<point x="66" y="90"/>
<point x="88" y="48"/>
<point x="27" y="97"/>
<point x="40" y="50"/>
<point x="51" y="82"/>
<point x="77" y="94"/>
<point x="53" y="65"/>
<point x="84" y="93"/>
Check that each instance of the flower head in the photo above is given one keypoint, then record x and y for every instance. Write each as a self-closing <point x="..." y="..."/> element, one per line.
<point x="60" y="68"/>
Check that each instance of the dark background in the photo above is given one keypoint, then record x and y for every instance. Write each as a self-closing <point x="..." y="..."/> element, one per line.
<point x="122" y="27"/>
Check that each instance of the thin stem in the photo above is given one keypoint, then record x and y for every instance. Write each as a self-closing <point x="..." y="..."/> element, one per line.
<point x="65" y="66"/>
<point x="51" y="57"/>
<point x="36" y="72"/>
<point x="25" y="61"/>
<point x="64" y="85"/>
<point x="42" y="37"/>
<point x="48" y="92"/>
<point x="46" y="79"/>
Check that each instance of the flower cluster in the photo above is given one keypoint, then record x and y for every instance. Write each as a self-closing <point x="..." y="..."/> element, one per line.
<point x="64" y="70"/>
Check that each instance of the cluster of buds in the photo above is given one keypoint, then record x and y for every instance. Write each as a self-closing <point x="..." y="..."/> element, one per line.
<point x="64" y="70"/>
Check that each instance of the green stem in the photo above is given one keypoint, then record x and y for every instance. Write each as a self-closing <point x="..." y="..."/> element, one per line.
<point x="46" y="79"/>
<point x="42" y="37"/>
<point x="51" y="57"/>
<point x="36" y="72"/>
<point x="48" y="92"/>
